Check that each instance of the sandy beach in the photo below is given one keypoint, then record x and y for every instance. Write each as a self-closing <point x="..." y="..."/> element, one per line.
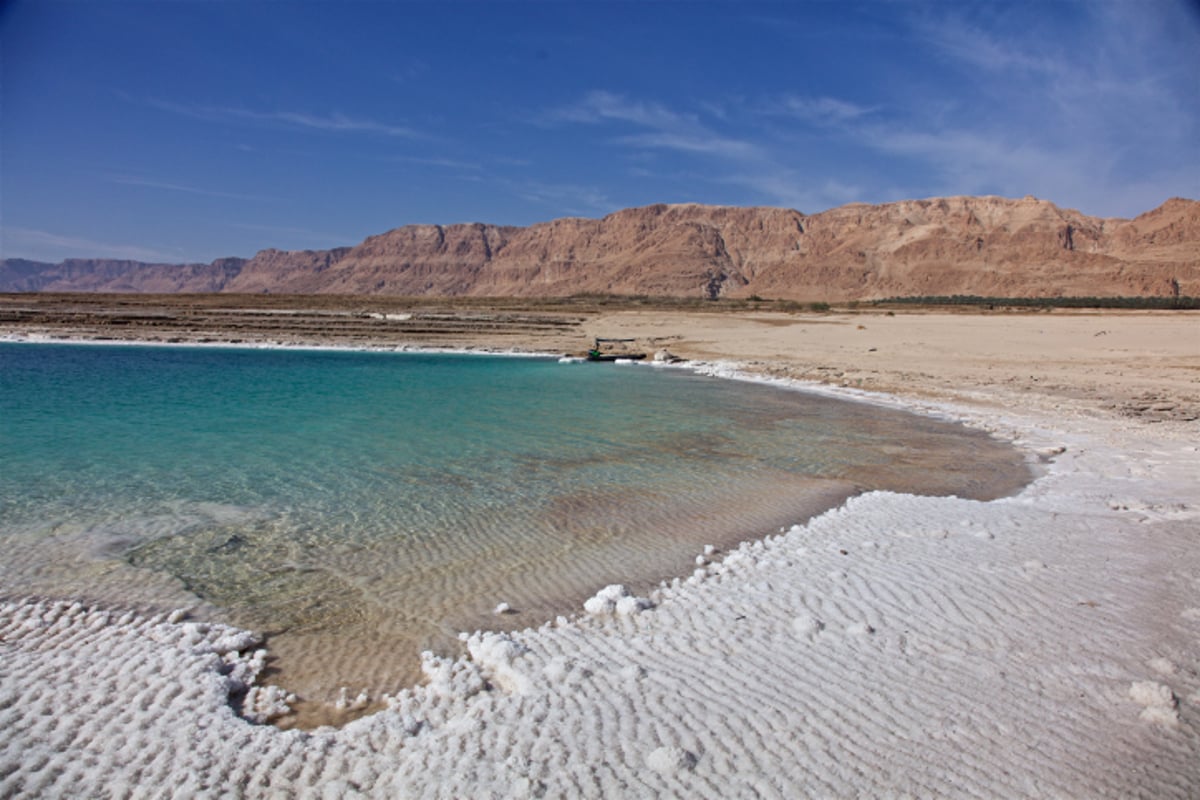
<point x="1045" y="644"/>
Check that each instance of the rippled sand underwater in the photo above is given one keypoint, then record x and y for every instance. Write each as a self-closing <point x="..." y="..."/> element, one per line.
<point x="360" y="507"/>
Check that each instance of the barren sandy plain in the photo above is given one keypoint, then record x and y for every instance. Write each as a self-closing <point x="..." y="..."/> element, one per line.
<point x="1045" y="644"/>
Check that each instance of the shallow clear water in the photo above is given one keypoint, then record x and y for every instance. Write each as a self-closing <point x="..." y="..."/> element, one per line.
<point x="363" y="506"/>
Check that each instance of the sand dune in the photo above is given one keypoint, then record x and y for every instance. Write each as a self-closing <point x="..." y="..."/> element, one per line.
<point x="1046" y="644"/>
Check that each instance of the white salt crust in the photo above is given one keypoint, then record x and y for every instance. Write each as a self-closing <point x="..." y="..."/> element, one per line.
<point x="1046" y="644"/>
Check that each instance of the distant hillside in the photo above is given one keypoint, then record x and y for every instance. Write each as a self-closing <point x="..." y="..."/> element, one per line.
<point x="988" y="246"/>
<point x="109" y="275"/>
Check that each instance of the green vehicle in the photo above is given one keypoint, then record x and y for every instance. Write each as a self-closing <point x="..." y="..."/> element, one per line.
<point x="613" y="350"/>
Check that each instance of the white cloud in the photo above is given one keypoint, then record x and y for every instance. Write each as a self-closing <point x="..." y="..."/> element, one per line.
<point x="667" y="129"/>
<point x="969" y="44"/>
<point x="822" y="110"/>
<point x="573" y="199"/>
<point x="1090" y="105"/>
<point x="1089" y="111"/>
<point x="598" y="105"/>
<point x="793" y="189"/>
<point x="718" y="158"/>
<point x="437" y="161"/>
<point x="133" y="180"/>
<point x="707" y="144"/>
<point x="335" y="122"/>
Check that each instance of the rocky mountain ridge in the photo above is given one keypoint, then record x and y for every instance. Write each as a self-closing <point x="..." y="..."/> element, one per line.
<point x="988" y="246"/>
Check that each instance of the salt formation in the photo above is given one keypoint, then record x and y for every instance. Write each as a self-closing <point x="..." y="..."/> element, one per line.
<point x="498" y="657"/>
<point x="347" y="703"/>
<point x="807" y="626"/>
<point x="1059" y="658"/>
<point x="669" y="760"/>
<point x="265" y="703"/>
<point x="615" y="598"/>
<point x="1159" y="703"/>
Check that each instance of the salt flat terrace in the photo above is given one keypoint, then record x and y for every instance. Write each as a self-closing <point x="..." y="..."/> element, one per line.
<point x="287" y="320"/>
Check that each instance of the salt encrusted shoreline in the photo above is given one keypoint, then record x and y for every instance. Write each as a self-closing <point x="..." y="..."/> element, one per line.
<point x="1044" y="644"/>
<point x="36" y="338"/>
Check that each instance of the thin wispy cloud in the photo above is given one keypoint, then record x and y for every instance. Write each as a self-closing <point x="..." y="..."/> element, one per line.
<point x="965" y="43"/>
<point x="768" y="169"/>
<point x="335" y="122"/>
<point x="1015" y="113"/>
<point x="148" y="183"/>
<point x="598" y="106"/>
<point x="965" y="161"/>
<point x="661" y="127"/>
<point x="1091" y="104"/>
<point x="791" y="188"/>
<point x="1078" y="122"/>
<point x="573" y="199"/>
<point x="437" y="161"/>
<point x="29" y="240"/>
<point x="703" y="143"/>
<point x="821" y="110"/>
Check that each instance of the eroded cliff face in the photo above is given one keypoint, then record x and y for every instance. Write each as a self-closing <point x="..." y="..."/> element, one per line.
<point x="270" y="270"/>
<point x="111" y="275"/>
<point x="957" y="245"/>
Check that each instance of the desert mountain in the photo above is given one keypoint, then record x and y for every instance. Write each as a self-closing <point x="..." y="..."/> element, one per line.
<point x="988" y="246"/>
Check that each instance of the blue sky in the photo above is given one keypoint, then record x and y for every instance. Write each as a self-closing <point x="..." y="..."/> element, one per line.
<point x="187" y="131"/>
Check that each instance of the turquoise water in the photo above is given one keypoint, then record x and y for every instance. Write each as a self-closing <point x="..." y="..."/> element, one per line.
<point x="362" y="506"/>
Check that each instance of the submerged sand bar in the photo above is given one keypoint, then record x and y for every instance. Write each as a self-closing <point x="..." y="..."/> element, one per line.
<point x="1042" y="644"/>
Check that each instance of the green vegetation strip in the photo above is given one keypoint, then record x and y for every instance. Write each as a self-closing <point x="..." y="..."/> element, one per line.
<point x="1188" y="303"/>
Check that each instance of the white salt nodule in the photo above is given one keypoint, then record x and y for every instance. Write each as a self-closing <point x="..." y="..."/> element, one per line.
<point x="346" y="703"/>
<point x="497" y="656"/>
<point x="615" y="598"/>
<point x="631" y="605"/>
<point x="265" y="703"/>
<point x="807" y="625"/>
<point x="1160" y="705"/>
<point x="235" y="642"/>
<point x="632" y="672"/>
<point x="1163" y="666"/>
<point x="669" y="760"/>
<point x="556" y="669"/>
<point x="605" y="600"/>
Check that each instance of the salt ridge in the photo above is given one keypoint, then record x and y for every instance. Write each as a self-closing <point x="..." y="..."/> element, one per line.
<point x="1042" y="644"/>
<point x="35" y="338"/>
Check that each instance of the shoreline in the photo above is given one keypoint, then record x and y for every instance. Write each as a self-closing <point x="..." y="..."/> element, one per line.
<point x="290" y="655"/>
<point x="1046" y="643"/>
<point x="1140" y="364"/>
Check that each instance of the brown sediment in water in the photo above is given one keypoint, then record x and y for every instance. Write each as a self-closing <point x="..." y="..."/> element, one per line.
<point x="638" y="541"/>
<point x="584" y="542"/>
